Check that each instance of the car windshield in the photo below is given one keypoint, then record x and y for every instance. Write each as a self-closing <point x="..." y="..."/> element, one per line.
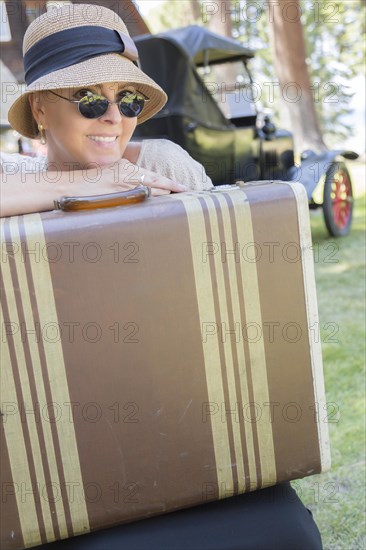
<point x="230" y="86"/>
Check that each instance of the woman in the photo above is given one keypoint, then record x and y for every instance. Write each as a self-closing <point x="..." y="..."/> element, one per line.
<point x="84" y="97"/>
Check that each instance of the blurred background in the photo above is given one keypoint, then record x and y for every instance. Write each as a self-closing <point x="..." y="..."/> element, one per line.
<point x="334" y="33"/>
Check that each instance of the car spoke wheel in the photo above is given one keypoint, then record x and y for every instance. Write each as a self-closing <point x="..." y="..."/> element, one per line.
<point x="338" y="200"/>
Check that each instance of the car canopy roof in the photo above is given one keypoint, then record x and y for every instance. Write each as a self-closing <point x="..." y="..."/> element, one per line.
<point x="200" y="44"/>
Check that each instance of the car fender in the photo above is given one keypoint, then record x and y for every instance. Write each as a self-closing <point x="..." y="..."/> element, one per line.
<point x="313" y="168"/>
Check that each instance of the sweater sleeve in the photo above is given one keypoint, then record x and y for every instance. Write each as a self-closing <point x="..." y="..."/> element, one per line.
<point x="171" y="160"/>
<point x="14" y="163"/>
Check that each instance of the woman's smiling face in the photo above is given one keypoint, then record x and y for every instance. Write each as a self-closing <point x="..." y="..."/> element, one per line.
<point x="76" y="142"/>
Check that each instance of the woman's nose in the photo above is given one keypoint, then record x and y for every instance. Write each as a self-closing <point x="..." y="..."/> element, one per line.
<point x="112" y="114"/>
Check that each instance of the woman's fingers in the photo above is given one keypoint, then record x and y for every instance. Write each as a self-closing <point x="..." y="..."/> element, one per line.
<point x="160" y="182"/>
<point x="163" y="188"/>
<point x="156" y="191"/>
<point x="156" y="181"/>
<point x="130" y="175"/>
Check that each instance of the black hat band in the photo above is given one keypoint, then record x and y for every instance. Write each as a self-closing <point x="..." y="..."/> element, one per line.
<point x="71" y="46"/>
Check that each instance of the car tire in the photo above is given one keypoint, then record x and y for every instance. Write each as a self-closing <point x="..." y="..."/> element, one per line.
<point x="338" y="200"/>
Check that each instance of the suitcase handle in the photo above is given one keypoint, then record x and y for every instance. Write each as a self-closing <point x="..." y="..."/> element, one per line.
<point x="71" y="204"/>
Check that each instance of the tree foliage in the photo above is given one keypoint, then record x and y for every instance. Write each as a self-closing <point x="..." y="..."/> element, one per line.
<point x="172" y="14"/>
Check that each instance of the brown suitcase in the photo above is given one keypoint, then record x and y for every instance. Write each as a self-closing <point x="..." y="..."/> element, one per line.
<point x="155" y="357"/>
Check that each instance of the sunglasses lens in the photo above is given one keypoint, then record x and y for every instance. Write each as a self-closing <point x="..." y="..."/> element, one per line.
<point x="93" y="106"/>
<point x="131" y="104"/>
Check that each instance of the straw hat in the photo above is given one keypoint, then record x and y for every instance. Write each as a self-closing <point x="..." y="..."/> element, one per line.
<point x="84" y="52"/>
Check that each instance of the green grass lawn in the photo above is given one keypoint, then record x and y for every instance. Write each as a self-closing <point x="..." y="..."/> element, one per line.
<point x="337" y="498"/>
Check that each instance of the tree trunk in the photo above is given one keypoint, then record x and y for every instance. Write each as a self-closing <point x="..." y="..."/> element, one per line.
<point x="220" y="20"/>
<point x="287" y="40"/>
<point x="195" y="9"/>
<point x="220" y="23"/>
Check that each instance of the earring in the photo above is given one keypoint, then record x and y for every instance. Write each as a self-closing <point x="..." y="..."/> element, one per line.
<point x="42" y="134"/>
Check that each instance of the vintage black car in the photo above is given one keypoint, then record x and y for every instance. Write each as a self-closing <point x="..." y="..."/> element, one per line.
<point x="212" y="114"/>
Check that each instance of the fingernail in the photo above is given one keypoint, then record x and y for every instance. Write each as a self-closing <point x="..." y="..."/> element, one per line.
<point x="183" y="187"/>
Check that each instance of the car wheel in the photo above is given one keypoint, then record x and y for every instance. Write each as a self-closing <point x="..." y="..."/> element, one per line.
<point x="338" y="200"/>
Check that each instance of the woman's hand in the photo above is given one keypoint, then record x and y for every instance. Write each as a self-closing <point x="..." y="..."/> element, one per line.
<point x="160" y="185"/>
<point x="123" y="176"/>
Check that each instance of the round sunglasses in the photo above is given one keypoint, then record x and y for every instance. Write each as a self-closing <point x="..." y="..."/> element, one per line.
<point x="92" y="105"/>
